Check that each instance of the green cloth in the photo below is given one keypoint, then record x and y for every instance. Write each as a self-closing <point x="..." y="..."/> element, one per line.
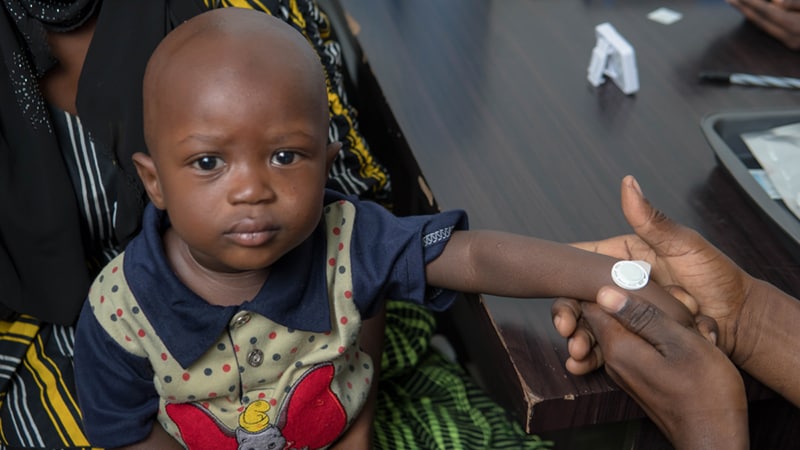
<point x="426" y="401"/>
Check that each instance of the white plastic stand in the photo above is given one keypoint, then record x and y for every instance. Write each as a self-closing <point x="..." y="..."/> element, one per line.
<point x="613" y="57"/>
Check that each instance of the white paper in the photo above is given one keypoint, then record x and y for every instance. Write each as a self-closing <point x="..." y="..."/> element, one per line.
<point x="665" y="16"/>
<point x="778" y="152"/>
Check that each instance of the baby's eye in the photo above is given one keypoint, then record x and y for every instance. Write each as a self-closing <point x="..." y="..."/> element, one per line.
<point x="207" y="162"/>
<point x="283" y="158"/>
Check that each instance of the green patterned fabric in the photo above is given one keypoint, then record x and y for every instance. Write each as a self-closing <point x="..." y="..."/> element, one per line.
<point x="425" y="401"/>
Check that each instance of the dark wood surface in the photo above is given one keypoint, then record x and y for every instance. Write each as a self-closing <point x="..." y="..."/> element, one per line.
<point x="493" y="101"/>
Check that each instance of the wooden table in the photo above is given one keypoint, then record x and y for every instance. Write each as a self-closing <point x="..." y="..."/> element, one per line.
<point x="493" y="100"/>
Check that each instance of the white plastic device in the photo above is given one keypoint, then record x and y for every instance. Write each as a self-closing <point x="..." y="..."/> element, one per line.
<point x="613" y="57"/>
<point x="631" y="275"/>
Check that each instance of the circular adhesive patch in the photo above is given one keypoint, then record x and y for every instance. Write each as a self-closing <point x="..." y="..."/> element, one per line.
<point x="631" y="275"/>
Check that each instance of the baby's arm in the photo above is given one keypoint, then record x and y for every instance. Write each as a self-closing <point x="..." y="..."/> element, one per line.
<point x="512" y="265"/>
<point x="115" y="389"/>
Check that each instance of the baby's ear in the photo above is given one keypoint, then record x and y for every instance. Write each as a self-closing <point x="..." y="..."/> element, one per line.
<point x="146" y="168"/>
<point x="332" y="151"/>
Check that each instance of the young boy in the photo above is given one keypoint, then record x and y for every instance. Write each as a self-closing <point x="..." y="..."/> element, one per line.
<point x="234" y="318"/>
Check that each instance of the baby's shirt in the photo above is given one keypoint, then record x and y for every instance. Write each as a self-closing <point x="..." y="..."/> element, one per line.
<point x="283" y="369"/>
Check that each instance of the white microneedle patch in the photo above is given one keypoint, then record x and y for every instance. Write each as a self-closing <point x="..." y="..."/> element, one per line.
<point x="631" y="275"/>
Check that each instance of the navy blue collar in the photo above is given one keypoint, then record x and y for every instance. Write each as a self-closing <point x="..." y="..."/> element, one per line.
<point x="295" y="294"/>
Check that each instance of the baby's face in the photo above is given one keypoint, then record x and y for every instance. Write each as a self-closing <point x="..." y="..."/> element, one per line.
<point x="242" y="158"/>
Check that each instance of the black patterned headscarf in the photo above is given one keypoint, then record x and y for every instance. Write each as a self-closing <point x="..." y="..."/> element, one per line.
<point x="42" y="263"/>
<point x="27" y="56"/>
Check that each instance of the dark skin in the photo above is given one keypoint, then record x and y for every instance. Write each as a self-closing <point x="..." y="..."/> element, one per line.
<point x="757" y="323"/>
<point x="779" y="18"/>
<point x="60" y="84"/>
<point x="204" y="166"/>
<point x="60" y="87"/>
<point x="691" y="390"/>
<point x="239" y="166"/>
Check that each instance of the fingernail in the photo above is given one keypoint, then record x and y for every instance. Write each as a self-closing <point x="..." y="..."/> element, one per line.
<point x="611" y="299"/>
<point x="713" y="337"/>
<point x="557" y="321"/>
<point x="636" y="186"/>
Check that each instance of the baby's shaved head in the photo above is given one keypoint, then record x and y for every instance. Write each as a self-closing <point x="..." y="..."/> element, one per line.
<point x="225" y="46"/>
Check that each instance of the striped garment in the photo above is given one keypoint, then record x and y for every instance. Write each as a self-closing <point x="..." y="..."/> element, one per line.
<point x="425" y="400"/>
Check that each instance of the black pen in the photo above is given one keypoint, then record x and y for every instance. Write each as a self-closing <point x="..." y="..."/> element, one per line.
<point x="746" y="79"/>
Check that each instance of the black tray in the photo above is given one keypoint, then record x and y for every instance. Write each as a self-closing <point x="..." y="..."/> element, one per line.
<point x="723" y="131"/>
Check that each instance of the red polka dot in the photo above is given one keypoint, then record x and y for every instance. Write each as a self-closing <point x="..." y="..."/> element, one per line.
<point x="163" y="356"/>
<point x="102" y="298"/>
<point x="206" y="405"/>
<point x="273" y="402"/>
<point x="336" y="231"/>
<point x="327" y="333"/>
<point x="226" y="368"/>
<point x="343" y="320"/>
<point x="348" y="294"/>
<point x="273" y="335"/>
<point x="114" y="269"/>
<point x="293" y="350"/>
<point x="128" y="338"/>
<point x="341" y="246"/>
<point x="236" y="348"/>
<point x="240" y="409"/>
<point x="366" y="380"/>
<point x="349" y="385"/>
<point x="261" y="395"/>
<point x="171" y="397"/>
<point x="141" y="333"/>
<point x="332" y="262"/>
<point x="212" y="394"/>
<point x="119" y="313"/>
<point x="341" y="350"/>
<point x="185" y="376"/>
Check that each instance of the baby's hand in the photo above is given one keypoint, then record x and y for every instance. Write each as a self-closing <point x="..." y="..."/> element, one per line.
<point x="584" y="354"/>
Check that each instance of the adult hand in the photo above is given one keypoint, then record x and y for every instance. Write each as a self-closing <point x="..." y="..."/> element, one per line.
<point x="683" y="262"/>
<point x="689" y="388"/>
<point x="780" y="18"/>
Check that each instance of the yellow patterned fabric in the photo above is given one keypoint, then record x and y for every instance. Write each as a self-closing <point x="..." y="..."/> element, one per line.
<point x="39" y="408"/>
<point x="425" y="401"/>
<point x="356" y="171"/>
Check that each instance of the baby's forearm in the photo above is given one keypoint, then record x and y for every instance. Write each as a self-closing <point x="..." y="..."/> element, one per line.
<point x="511" y="265"/>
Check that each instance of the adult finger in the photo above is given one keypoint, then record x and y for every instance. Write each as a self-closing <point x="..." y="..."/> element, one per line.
<point x="707" y="327"/>
<point x="684" y="297"/>
<point x="775" y="20"/>
<point x="649" y="223"/>
<point x="593" y="361"/>
<point x="565" y="313"/>
<point x="636" y="315"/>
<point x="789" y="5"/>
<point x="582" y="355"/>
